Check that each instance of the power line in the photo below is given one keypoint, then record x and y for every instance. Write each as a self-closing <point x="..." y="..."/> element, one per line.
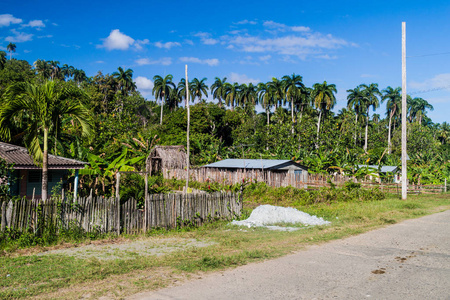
<point x="430" y="90"/>
<point x="432" y="54"/>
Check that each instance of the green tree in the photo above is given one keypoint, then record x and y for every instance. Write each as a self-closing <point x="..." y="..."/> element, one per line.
<point x="45" y="105"/>
<point x="231" y="92"/>
<point x="11" y="48"/>
<point x="293" y="89"/>
<point x="125" y="80"/>
<point x="218" y="89"/>
<point x="2" y="60"/>
<point x="355" y="102"/>
<point x="161" y="89"/>
<point x="323" y="99"/>
<point x="371" y="94"/>
<point x="198" y="88"/>
<point x="393" y="107"/>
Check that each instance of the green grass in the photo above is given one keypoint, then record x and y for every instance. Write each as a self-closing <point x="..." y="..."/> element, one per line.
<point x="31" y="275"/>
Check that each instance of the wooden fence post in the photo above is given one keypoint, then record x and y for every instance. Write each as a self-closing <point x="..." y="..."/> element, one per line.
<point x="145" y="202"/>
<point x="118" y="202"/>
<point x="3" y="224"/>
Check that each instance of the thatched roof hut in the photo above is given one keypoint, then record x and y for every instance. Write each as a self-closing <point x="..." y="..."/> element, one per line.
<point x="166" y="157"/>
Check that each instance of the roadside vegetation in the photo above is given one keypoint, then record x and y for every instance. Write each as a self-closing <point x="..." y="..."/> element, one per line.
<point x="26" y="273"/>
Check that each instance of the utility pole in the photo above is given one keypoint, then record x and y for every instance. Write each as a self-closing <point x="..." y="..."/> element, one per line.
<point x="187" y="133"/>
<point x="404" y="173"/>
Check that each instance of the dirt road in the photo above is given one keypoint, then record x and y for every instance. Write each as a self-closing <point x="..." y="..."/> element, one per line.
<point x="409" y="260"/>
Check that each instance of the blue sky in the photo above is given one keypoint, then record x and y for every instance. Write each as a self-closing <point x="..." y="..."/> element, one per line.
<point x="345" y="43"/>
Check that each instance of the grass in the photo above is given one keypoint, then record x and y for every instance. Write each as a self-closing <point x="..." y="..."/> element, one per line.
<point x="60" y="276"/>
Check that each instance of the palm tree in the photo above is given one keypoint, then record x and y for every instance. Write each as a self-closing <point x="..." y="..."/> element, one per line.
<point x="277" y="91"/>
<point x="11" y="48"/>
<point x="393" y="106"/>
<point x="264" y="97"/>
<point x="231" y="92"/>
<point x="293" y="88"/>
<point x="198" y="88"/>
<point x="247" y="95"/>
<point x="67" y="71"/>
<point x="218" y="88"/>
<point x="417" y="109"/>
<point x="161" y="89"/>
<point x="55" y="69"/>
<point x="45" y="105"/>
<point x="79" y="76"/>
<point x="125" y="80"/>
<point x="354" y="101"/>
<point x="371" y="93"/>
<point x="43" y="68"/>
<point x="323" y="99"/>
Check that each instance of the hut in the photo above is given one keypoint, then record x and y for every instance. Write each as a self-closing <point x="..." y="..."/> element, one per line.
<point x="164" y="159"/>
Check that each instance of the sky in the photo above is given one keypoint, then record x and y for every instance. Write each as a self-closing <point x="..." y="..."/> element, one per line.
<point x="346" y="43"/>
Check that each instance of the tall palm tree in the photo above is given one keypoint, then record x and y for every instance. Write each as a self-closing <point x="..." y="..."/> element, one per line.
<point x="355" y="102"/>
<point x="218" y="88"/>
<point x="55" y="72"/>
<point x="67" y="71"/>
<point x="323" y="99"/>
<point x="264" y="97"/>
<point x="161" y="89"/>
<point x="79" y="76"/>
<point x="393" y="106"/>
<point x="417" y="109"/>
<point x="125" y="80"/>
<point x="231" y="92"/>
<point x="45" y="105"/>
<point x="293" y="89"/>
<point x="198" y="88"/>
<point x="277" y="91"/>
<point x="11" y="48"/>
<point x="247" y="95"/>
<point x="43" y="68"/>
<point x="371" y="94"/>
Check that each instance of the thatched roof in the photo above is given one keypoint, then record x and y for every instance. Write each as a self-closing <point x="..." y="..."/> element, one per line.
<point x="166" y="157"/>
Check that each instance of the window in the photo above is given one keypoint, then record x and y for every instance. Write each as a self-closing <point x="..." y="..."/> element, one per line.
<point x="36" y="176"/>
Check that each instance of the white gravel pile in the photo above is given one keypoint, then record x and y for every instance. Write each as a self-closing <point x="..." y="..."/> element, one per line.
<point x="265" y="215"/>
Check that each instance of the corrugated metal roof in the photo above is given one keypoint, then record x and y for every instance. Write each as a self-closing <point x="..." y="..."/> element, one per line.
<point x="22" y="160"/>
<point x="384" y="169"/>
<point x="248" y="163"/>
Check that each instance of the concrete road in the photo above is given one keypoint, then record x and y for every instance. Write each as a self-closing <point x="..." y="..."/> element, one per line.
<point x="409" y="260"/>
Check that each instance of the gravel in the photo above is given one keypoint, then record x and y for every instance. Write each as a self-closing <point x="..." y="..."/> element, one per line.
<point x="266" y="215"/>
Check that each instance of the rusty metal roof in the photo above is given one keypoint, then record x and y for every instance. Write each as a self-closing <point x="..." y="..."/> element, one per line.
<point x="22" y="160"/>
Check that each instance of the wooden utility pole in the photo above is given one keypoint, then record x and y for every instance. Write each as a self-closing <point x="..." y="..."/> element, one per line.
<point x="187" y="133"/>
<point x="404" y="173"/>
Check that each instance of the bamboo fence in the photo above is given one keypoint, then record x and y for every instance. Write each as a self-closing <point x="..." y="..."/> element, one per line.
<point x="284" y="179"/>
<point x="105" y="215"/>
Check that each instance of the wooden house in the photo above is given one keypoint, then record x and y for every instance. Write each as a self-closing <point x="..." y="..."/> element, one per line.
<point x="28" y="176"/>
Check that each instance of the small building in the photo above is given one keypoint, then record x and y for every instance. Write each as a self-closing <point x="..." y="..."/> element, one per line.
<point x="163" y="159"/>
<point x="384" y="173"/>
<point x="28" y="176"/>
<point x="272" y="171"/>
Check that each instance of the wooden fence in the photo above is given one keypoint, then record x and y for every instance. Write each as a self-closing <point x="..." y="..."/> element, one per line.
<point x="283" y="179"/>
<point x="99" y="214"/>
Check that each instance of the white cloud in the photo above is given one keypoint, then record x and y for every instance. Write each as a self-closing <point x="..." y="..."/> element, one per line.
<point x="300" y="28"/>
<point x="138" y="44"/>
<point x="117" y="41"/>
<point x="167" y="45"/>
<point x="438" y="81"/>
<point x="367" y="76"/>
<point x="144" y="85"/>
<point x="210" y="62"/>
<point x="206" y="39"/>
<point x="8" y="19"/>
<point x="45" y="36"/>
<point x="165" y="61"/>
<point x="189" y="42"/>
<point x="301" y="46"/>
<point x="26" y="51"/>
<point x="242" y="78"/>
<point x="99" y="62"/>
<point x="35" y="24"/>
<point x="243" y="22"/>
<point x="265" y="57"/>
<point x="19" y="37"/>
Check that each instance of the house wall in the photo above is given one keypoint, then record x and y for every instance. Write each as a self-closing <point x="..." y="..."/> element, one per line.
<point x="34" y="181"/>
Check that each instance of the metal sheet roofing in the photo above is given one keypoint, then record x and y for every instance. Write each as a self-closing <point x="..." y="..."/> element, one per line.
<point x="384" y="169"/>
<point x="22" y="160"/>
<point x="248" y="163"/>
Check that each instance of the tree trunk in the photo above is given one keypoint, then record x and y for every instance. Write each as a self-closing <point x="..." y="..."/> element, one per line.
<point x="292" y="113"/>
<point x="161" y="115"/>
<point x="367" y="131"/>
<point x="45" y="167"/>
<point x="318" y="129"/>
<point x="268" y="116"/>
<point x="389" y="134"/>
<point x="301" y="114"/>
